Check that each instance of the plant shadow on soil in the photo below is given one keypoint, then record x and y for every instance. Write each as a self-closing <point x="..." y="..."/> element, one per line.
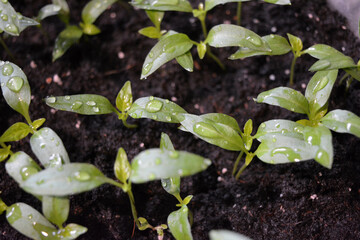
<point x="291" y="201"/>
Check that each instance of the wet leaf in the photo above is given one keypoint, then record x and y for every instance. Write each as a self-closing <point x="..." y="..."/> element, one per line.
<point x="94" y="9"/>
<point x="157" y="109"/>
<point x="48" y="148"/>
<point x="210" y="4"/>
<point x="38" y="123"/>
<point x="122" y="166"/>
<point x="320" y="138"/>
<point x="281" y="127"/>
<point x="87" y="104"/>
<point x="342" y="121"/>
<point x="248" y="139"/>
<point x="69" y="179"/>
<point x="227" y="35"/>
<point x="48" y="10"/>
<point x="124" y="98"/>
<point x="169" y="47"/>
<point x="285" y="97"/>
<point x="319" y="89"/>
<point x="295" y="42"/>
<point x="163" y="5"/>
<point x="68" y="37"/>
<point x="154" y="164"/>
<point x="150" y="32"/>
<point x="223" y="119"/>
<point x="15" y="87"/>
<point x="179" y="224"/>
<point x="15" y="132"/>
<point x="56" y="209"/>
<point x="186" y="61"/>
<point x="155" y="17"/>
<point x="216" y="133"/>
<point x="71" y="231"/>
<point x="226" y="235"/>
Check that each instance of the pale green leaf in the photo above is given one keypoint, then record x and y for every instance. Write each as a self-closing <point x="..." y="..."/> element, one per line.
<point x="215" y="133"/>
<point x="201" y="49"/>
<point x="124" y="98"/>
<point x="165" y="143"/>
<point x="279" y="2"/>
<point x="15" y="87"/>
<point x="163" y="5"/>
<point x="48" y="10"/>
<point x="56" y="209"/>
<point x="155" y="17"/>
<point x="64" y="13"/>
<point x="157" y="109"/>
<point x="94" y="9"/>
<point x="228" y="35"/>
<point x="49" y="148"/>
<point x="342" y="121"/>
<point x="38" y="123"/>
<point x="226" y="235"/>
<point x="179" y="225"/>
<point x="68" y="37"/>
<point x="71" y="231"/>
<point x="154" y="164"/>
<point x="15" y="132"/>
<point x="89" y="29"/>
<point x="210" y="4"/>
<point x="268" y="129"/>
<point x="87" y="104"/>
<point x="186" y="61"/>
<point x="150" y="32"/>
<point x="223" y="119"/>
<point x="66" y="180"/>
<point x="285" y="97"/>
<point x="4" y="153"/>
<point x="319" y="89"/>
<point x="295" y="42"/>
<point x="169" y="47"/>
<point x="122" y="166"/>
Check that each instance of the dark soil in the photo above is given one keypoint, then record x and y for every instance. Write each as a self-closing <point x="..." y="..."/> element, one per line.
<point x="291" y="201"/>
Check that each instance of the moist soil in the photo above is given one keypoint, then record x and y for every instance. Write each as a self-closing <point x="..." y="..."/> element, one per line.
<point x="289" y="201"/>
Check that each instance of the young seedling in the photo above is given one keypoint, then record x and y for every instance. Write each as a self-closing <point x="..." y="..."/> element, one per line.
<point x="57" y="7"/>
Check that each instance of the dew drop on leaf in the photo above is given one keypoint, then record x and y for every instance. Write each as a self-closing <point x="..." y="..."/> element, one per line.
<point x="51" y="100"/>
<point x="42" y="145"/>
<point x="40" y="182"/>
<point x="205" y="130"/>
<point x="11" y="28"/>
<point x="15" y="84"/>
<point x="27" y="171"/>
<point x="288" y="152"/>
<point x="67" y="97"/>
<point x="151" y="54"/>
<point x="96" y="109"/>
<point x="168" y="118"/>
<point x="7" y="70"/>
<point x="30" y="216"/>
<point x="254" y="40"/>
<point x="4" y="1"/>
<point x="13" y="213"/>
<point x="158" y="161"/>
<point x="76" y="105"/>
<point x="147" y="68"/>
<point x="321" y="84"/>
<point x="174" y="154"/>
<point x="154" y="106"/>
<point x="90" y="103"/>
<point x="82" y="176"/>
<point x="152" y="176"/>
<point x="4" y="17"/>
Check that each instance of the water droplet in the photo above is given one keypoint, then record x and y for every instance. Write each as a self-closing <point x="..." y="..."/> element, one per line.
<point x="263" y="125"/>
<point x="298" y="129"/>
<point x="168" y="118"/>
<point x="277" y="125"/>
<point x="13" y="213"/>
<point x="96" y="109"/>
<point x="174" y="154"/>
<point x="154" y="117"/>
<point x="4" y="1"/>
<point x="27" y="171"/>
<point x="90" y="103"/>
<point x="154" y="106"/>
<point x="30" y="216"/>
<point x="76" y="105"/>
<point x="288" y="152"/>
<point x="11" y="28"/>
<point x="164" y="184"/>
<point x="151" y="98"/>
<point x="4" y="17"/>
<point x="348" y="126"/>
<point x="180" y="172"/>
<point x="151" y="54"/>
<point x="146" y="69"/>
<point x="321" y="84"/>
<point x="67" y="97"/>
<point x="42" y="145"/>
<point x="51" y="100"/>
<point x="255" y="40"/>
<point x="15" y="84"/>
<point x="57" y="143"/>
<point x="205" y="130"/>
<point x="207" y="162"/>
<point x="82" y="176"/>
<point x="322" y="65"/>
<point x="55" y="160"/>
<point x="158" y="161"/>
<point x="152" y="176"/>
<point x="167" y="101"/>
<point x="169" y="50"/>
<point x="40" y="182"/>
<point x="274" y="140"/>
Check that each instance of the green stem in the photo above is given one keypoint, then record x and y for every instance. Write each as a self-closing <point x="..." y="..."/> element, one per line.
<point x="343" y="78"/>
<point x="7" y="50"/>
<point x="237" y="162"/>
<point x="292" y="70"/>
<point x="215" y="58"/>
<point x="203" y="25"/>
<point x="248" y="159"/>
<point x="133" y="208"/>
<point x="238" y="14"/>
<point x="128" y="125"/>
<point x="178" y="197"/>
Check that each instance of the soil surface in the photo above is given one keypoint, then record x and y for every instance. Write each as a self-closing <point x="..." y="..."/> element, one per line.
<point x="290" y="201"/>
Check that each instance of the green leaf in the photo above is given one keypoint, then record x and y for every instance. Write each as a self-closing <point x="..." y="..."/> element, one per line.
<point x="248" y="139"/>
<point x="342" y="121"/>
<point x="4" y="153"/>
<point x="186" y="61"/>
<point x="168" y="48"/>
<point x="295" y="42"/>
<point x="122" y="166"/>
<point x="154" y="164"/>
<point x="71" y="231"/>
<point x="319" y="88"/>
<point x="279" y="2"/>
<point x="48" y="148"/>
<point x="165" y="143"/>
<point x="227" y="35"/>
<point x="201" y="49"/>
<point x="179" y="225"/>
<point x="64" y="13"/>
<point x="15" y="88"/>
<point x="28" y="220"/>
<point x="320" y="138"/>
<point x="223" y="119"/>
<point x="15" y="132"/>
<point x="150" y="32"/>
<point x="210" y="4"/>
<point x="268" y="129"/>
<point x="277" y="44"/>
<point x="354" y="72"/>
<point x="3" y="207"/>
<point x="216" y="133"/>
<point x="90" y="29"/>
<point x="68" y="37"/>
<point x="38" y="123"/>
<point x="66" y="180"/>
<point x="94" y="9"/>
<point x="20" y="167"/>
<point x="285" y="97"/>
<point x="163" y="5"/>
<point x="87" y="104"/>
<point x="48" y="10"/>
<point x="157" y="109"/>
<point x="329" y="58"/>
<point x="155" y="17"/>
<point x="56" y="209"/>
<point x="226" y="235"/>
<point x="124" y="98"/>
<point x="12" y="22"/>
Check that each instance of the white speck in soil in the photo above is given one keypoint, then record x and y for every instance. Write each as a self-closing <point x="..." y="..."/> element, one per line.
<point x="121" y="55"/>
<point x="57" y="80"/>
<point x="53" y="111"/>
<point x="33" y="65"/>
<point x="273" y="29"/>
<point x="313" y="197"/>
<point x="112" y="15"/>
<point x="141" y="145"/>
<point x="78" y="123"/>
<point x="287" y="71"/>
<point x="219" y="179"/>
<point x="310" y="16"/>
<point x="174" y="99"/>
<point x="197" y="106"/>
<point x="303" y="85"/>
<point x="272" y="77"/>
<point x="224" y="170"/>
<point x="227" y="22"/>
<point x="256" y="21"/>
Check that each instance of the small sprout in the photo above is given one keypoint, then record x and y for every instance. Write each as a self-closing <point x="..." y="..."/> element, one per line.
<point x="201" y="48"/>
<point x="143" y="224"/>
<point x="15" y="132"/>
<point x="124" y="98"/>
<point x="122" y="167"/>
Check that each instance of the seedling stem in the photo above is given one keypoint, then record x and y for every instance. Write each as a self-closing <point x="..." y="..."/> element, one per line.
<point x="238" y="14"/>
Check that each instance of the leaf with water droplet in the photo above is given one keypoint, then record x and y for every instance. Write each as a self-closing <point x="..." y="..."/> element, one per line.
<point x="94" y="9"/>
<point x="226" y="235"/>
<point x="38" y="123"/>
<point x="87" y="104"/>
<point x="48" y="148"/>
<point x="56" y="209"/>
<point x="161" y="109"/>
<point x="319" y="89"/>
<point x="71" y="231"/>
<point x="285" y="97"/>
<point x="342" y="121"/>
<point x="271" y="128"/>
<point x="186" y="61"/>
<point x="124" y="98"/>
<point x="66" y="182"/>
<point x="168" y="47"/>
<point x="179" y="225"/>
<point x="48" y="10"/>
<point x="15" y="132"/>
<point x="163" y="5"/>
<point x="68" y="37"/>
<point x="228" y="35"/>
<point x="15" y="88"/>
<point x="147" y="164"/>
<point x="122" y="166"/>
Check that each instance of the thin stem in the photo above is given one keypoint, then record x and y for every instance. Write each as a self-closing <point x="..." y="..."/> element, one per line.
<point x="238" y="14"/>
<point x="129" y="125"/>
<point x="203" y="25"/>
<point x="237" y="162"/>
<point x="215" y="58"/>
<point x="248" y="159"/>
<point x="292" y="70"/>
<point x="7" y="50"/>
<point x="133" y="208"/>
<point x="178" y="197"/>
<point x="240" y="171"/>
<point x="343" y="78"/>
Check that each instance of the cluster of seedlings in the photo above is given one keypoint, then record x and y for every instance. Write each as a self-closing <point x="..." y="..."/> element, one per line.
<point x="280" y="140"/>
